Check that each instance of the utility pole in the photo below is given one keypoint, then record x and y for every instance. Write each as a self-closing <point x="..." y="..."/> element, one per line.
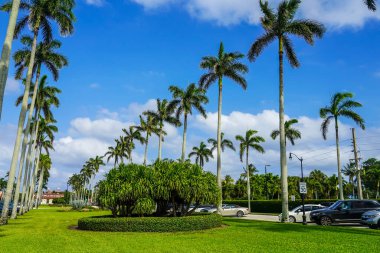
<point x="360" y="192"/>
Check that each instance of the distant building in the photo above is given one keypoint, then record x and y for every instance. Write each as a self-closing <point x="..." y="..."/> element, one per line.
<point x="47" y="197"/>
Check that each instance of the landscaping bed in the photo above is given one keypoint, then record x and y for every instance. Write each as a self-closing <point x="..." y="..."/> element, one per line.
<point x="150" y="224"/>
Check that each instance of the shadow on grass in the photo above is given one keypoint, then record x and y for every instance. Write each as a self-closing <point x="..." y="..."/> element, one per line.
<point x="283" y="228"/>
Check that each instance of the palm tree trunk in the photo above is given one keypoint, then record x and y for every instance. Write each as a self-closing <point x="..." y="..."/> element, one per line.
<point x="284" y="167"/>
<point x="21" y="121"/>
<point x="7" y="49"/>
<point x="184" y="137"/>
<point x="39" y="191"/>
<point x="340" y="181"/>
<point x="33" y="181"/>
<point x="353" y="187"/>
<point x="146" y="148"/>
<point x="248" y="181"/>
<point x="24" y="144"/>
<point x="219" y="139"/>
<point x="160" y="144"/>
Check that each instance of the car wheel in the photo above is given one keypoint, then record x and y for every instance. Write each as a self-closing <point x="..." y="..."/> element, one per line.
<point x="239" y="214"/>
<point x="325" y="221"/>
<point x="292" y="219"/>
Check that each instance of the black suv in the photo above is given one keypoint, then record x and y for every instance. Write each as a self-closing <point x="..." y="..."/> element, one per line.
<point x="349" y="211"/>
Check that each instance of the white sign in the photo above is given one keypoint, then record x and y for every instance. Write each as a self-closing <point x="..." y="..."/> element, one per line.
<point x="293" y="198"/>
<point x="303" y="188"/>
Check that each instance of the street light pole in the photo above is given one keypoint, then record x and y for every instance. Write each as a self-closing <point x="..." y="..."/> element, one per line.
<point x="266" y="182"/>
<point x="302" y="194"/>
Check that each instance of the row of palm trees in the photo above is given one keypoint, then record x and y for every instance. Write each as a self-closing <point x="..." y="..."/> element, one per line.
<point x="36" y="134"/>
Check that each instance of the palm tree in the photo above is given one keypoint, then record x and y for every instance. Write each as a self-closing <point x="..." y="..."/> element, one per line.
<point x="7" y="49"/>
<point x="341" y="105"/>
<point x="350" y="171"/>
<point x="162" y="115"/>
<point x="118" y="152"/>
<point x="225" y="143"/>
<point x="130" y="135"/>
<point x="201" y="153"/>
<point x="45" y="165"/>
<point x="149" y="126"/>
<point x="184" y="101"/>
<point x="280" y="25"/>
<point x="371" y="4"/>
<point x="291" y="134"/>
<point x="40" y="14"/>
<point x="223" y="65"/>
<point x="250" y="140"/>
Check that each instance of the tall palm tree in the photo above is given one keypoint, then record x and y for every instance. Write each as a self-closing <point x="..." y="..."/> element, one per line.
<point x="40" y="13"/>
<point x="202" y="154"/>
<point x="184" y="101"/>
<point x="131" y="135"/>
<point x="350" y="171"/>
<point x="118" y="153"/>
<point x="280" y="25"/>
<point x="291" y="134"/>
<point x="371" y="4"/>
<point x="45" y="165"/>
<point x="223" y="65"/>
<point x="341" y="105"/>
<point x="250" y="140"/>
<point x="224" y="143"/>
<point x="163" y="114"/>
<point x="149" y="126"/>
<point x="7" y="49"/>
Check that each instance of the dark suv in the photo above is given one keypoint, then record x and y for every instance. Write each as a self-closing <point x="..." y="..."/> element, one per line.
<point x="349" y="211"/>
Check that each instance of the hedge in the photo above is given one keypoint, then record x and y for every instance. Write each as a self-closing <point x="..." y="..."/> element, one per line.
<point x="150" y="224"/>
<point x="274" y="206"/>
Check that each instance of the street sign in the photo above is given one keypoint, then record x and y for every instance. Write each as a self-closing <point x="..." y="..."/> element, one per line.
<point x="303" y="188"/>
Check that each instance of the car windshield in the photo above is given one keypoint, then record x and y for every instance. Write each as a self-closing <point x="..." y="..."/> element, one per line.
<point x="295" y="209"/>
<point x="335" y="205"/>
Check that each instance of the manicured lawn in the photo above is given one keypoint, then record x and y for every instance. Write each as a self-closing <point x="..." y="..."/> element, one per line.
<point x="48" y="230"/>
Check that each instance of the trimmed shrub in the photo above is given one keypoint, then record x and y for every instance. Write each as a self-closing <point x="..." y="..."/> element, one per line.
<point x="151" y="224"/>
<point x="274" y="206"/>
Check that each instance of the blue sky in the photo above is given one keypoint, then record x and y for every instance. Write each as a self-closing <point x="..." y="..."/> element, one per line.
<point x="124" y="54"/>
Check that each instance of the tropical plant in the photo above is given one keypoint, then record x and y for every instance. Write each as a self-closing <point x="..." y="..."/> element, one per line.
<point x="118" y="153"/>
<point x="341" y="105"/>
<point x="45" y="165"/>
<point x="291" y="134"/>
<point x="280" y="24"/>
<point x="223" y="65"/>
<point x="224" y="143"/>
<point x="350" y="171"/>
<point x="250" y="140"/>
<point x="130" y="136"/>
<point x="184" y="101"/>
<point x="149" y="126"/>
<point x="162" y="115"/>
<point x="371" y="4"/>
<point x="202" y="154"/>
<point x="40" y="13"/>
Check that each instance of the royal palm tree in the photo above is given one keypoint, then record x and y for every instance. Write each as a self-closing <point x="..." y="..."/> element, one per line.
<point x="163" y="114"/>
<point x="7" y="49"/>
<point x="117" y="153"/>
<point x="371" y="4"/>
<point x="225" y="143"/>
<point x="223" y="65"/>
<point x="250" y="140"/>
<point x="341" y="105"/>
<point x="279" y="25"/>
<point x="291" y="134"/>
<point x="39" y="15"/>
<point x="202" y="154"/>
<point x="45" y="165"/>
<point x="131" y="135"/>
<point x="149" y="126"/>
<point x="184" y="101"/>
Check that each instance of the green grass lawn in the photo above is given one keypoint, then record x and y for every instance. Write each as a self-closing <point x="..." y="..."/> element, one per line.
<point x="48" y="230"/>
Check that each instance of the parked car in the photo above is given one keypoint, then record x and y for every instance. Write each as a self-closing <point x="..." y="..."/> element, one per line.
<point x="371" y="218"/>
<point x="201" y="208"/>
<point x="231" y="210"/>
<point x="343" y="211"/>
<point x="296" y="214"/>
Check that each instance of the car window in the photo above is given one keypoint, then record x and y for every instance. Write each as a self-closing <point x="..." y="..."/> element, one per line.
<point x="346" y="205"/>
<point x="359" y="204"/>
<point x="317" y="207"/>
<point x="307" y="208"/>
<point x="372" y="204"/>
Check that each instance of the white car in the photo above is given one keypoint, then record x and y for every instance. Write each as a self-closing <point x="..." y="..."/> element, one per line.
<point x="231" y="210"/>
<point x="295" y="215"/>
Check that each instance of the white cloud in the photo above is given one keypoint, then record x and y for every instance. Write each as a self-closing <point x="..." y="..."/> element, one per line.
<point x="97" y="3"/>
<point x="333" y="13"/>
<point x="12" y="86"/>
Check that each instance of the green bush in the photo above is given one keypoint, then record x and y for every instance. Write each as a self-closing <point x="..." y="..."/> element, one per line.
<point x="273" y="206"/>
<point x="59" y="201"/>
<point x="151" y="224"/>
